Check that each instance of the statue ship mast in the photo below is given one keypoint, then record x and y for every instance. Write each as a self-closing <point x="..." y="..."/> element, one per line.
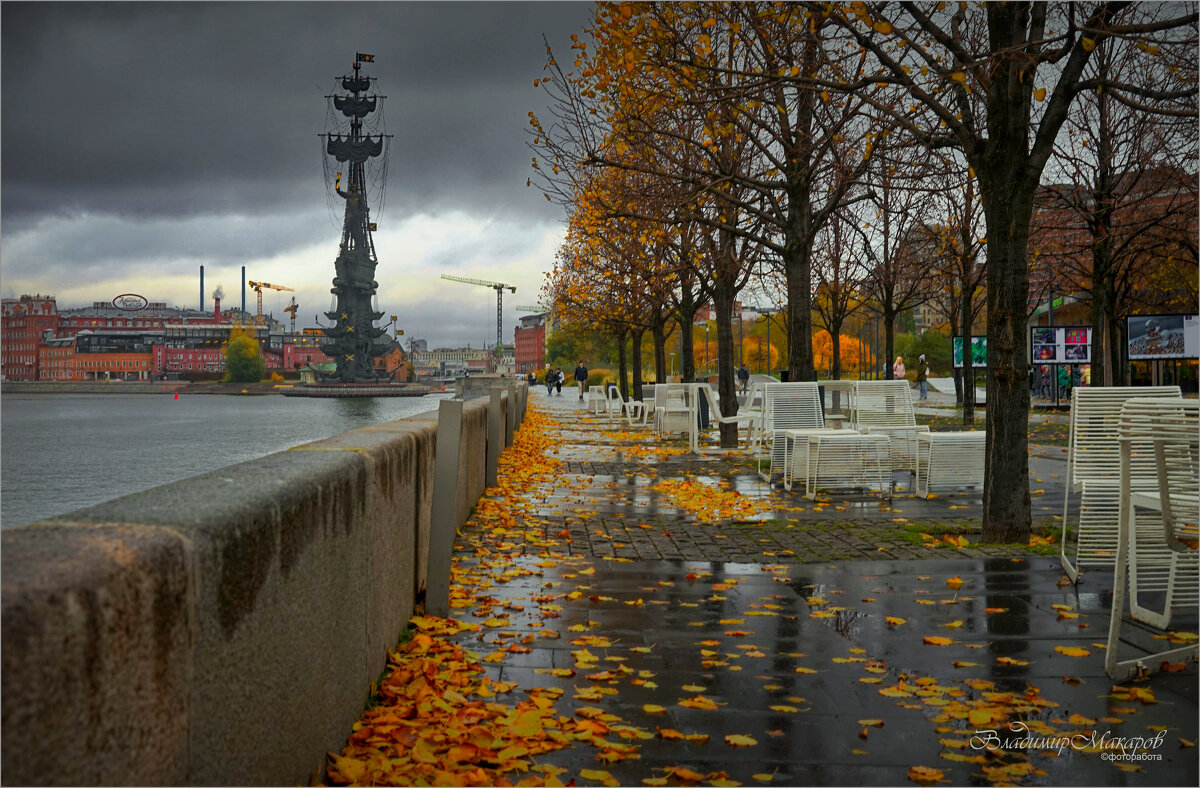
<point x="353" y="340"/>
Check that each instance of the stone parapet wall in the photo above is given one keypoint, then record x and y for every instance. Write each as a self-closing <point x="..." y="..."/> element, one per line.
<point x="223" y="629"/>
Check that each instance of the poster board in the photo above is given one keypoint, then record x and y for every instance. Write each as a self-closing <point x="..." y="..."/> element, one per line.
<point x="1159" y="337"/>
<point x="1060" y="345"/>
<point x="978" y="352"/>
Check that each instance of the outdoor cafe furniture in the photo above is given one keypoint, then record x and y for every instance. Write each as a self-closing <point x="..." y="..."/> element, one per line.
<point x="841" y="459"/>
<point x="596" y="399"/>
<point x="796" y="448"/>
<point x="714" y="415"/>
<point x="1093" y="468"/>
<point x="946" y="459"/>
<point x="786" y="406"/>
<point x="1157" y="526"/>
<point x="621" y="408"/>
<point x="671" y="410"/>
<point x="886" y="407"/>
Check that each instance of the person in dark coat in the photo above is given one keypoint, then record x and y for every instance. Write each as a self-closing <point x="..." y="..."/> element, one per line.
<point x="581" y="377"/>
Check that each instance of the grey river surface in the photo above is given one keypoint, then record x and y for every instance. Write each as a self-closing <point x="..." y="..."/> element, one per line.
<point x="61" y="452"/>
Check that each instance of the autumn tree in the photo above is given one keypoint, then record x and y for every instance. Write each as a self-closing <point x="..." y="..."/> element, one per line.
<point x="243" y="357"/>
<point x="693" y="82"/>
<point x="1029" y="61"/>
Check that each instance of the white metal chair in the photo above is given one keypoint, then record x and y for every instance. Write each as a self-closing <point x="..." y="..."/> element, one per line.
<point x="839" y="459"/>
<point x="595" y="399"/>
<point x="1160" y="557"/>
<point x="886" y="407"/>
<point x="838" y="400"/>
<point x="671" y="409"/>
<point x="619" y="407"/>
<point x="1093" y="470"/>
<point x="714" y="415"/>
<point x="949" y="458"/>
<point x="791" y="406"/>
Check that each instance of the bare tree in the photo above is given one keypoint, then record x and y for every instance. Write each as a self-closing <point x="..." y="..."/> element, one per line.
<point x="1013" y="53"/>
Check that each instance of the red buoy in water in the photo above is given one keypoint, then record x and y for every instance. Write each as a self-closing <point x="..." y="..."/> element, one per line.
<point x="176" y="395"/>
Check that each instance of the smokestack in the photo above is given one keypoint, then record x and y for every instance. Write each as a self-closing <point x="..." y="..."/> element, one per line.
<point x="217" y="295"/>
<point x="201" y="288"/>
<point x="243" y="292"/>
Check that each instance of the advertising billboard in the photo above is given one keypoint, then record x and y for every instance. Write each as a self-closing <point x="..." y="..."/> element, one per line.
<point x="1060" y="345"/>
<point x="1155" y="337"/>
<point x="978" y="352"/>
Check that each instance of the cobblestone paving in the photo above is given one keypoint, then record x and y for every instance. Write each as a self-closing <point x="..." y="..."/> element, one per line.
<point x="606" y="499"/>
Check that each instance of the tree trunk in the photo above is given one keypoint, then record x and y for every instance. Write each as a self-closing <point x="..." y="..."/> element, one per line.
<point x="621" y="365"/>
<point x="835" y="349"/>
<point x="637" y="364"/>
<point x="889" y="344"/>
<point x="723" y="296"/>
<point x="1008" y="205"/>
<point x="797" y="262"/>
<point x="660" y="353"/>
<point x="687" y="355"/>
<point x="968" y="371"/>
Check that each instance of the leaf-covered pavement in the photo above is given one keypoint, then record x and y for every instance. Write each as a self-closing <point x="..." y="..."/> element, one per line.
<point x="560" y="666"/>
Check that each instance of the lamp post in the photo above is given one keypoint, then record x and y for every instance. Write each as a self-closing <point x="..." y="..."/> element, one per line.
<point x="706" y="344"/>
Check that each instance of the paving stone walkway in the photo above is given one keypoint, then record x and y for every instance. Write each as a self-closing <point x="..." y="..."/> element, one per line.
<point x="625" y="613"/>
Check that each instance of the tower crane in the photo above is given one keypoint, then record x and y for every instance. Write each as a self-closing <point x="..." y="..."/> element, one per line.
<point x="534" y="308"/>
<point x="258" y="288"/>
<point x="499" y="287"/>
<point x="292" y="307"/>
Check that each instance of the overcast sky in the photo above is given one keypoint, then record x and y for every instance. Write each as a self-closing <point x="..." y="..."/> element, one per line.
<point x="141" y="140"/>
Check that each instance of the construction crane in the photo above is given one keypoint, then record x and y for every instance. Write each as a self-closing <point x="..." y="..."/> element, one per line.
<point x="258" y="288"/>
<point x="292" y="307"/>
<point x="499" y="287"/>
<point x="537" y="308"/>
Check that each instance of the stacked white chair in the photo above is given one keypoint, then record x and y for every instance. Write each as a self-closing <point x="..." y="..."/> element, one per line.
<point x="886" y="407"/>
<point x="1093" y="470"/>
<point x="839" y="399"/>
<point x="671" y="409"/>
<point x="791" y="406"/>
<point x="949" y="458"/>
<point x="1156" y="557"/>
<point x="843" y="459"/>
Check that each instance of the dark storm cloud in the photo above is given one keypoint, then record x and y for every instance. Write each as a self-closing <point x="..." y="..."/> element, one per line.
<point x="148" y="110"/>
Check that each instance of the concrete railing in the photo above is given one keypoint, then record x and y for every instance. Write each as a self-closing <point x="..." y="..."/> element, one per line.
<point x="223" y="629"/>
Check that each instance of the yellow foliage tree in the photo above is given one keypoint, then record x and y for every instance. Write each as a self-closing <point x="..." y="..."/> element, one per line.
<point x="856" y="356"/>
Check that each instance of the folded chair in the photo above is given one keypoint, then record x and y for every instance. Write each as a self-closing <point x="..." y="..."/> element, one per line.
<point x="1156" y="558"/>
<point x="1093" y="469"/>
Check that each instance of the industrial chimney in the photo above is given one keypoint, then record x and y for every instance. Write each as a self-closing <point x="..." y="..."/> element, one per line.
<point x="217" y="295"/>
<point x="201" y="288"/>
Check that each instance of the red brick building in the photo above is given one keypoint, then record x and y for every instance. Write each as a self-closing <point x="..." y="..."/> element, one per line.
<point x="529" y="343"/>
<point x="24" y="322"/>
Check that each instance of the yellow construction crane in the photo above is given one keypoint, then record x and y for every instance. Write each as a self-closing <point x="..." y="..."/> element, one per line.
<point x="258" y="288"/>
<point x="292" y="307"/>
<point x="499" y="287"/>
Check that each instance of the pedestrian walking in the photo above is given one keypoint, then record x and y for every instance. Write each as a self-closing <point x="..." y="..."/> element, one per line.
<point x="923" y="376"/>
<point x="581" y="377"/>
<point x="550" y="379"/>
<point x="898" y="370"/>
<point x="744" y="378"/>
<point x="559" y="377"/>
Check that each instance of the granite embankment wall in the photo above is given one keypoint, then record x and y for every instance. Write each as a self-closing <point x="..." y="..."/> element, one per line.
<point x="224" y="629"/>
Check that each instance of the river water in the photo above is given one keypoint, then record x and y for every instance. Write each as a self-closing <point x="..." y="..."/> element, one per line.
<point x="61" y="452"/>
